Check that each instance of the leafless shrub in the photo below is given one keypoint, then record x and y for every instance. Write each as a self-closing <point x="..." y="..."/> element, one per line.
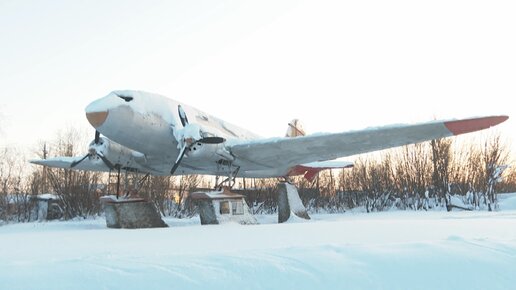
<point x="15" y="201"/>
<point x="424" y="175"/>
<point x="186" y="185"/>
<point x="78" y="190"/>
<point x="508" y="181"/>
<point x="494" y="157"/>
<point x="441" y="163"/>
<point x="261" y="195"/>
<point x="159" y="190"/>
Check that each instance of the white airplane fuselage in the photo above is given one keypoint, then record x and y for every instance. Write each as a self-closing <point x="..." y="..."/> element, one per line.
<point x="150" y="123"/>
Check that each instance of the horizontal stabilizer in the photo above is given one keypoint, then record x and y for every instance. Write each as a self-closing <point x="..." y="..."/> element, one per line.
<point x="310" y="170"/>
<point x="333" y="164"/>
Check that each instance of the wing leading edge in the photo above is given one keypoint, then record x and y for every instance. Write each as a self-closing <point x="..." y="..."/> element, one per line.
<point x="66" y="162"/>
<point x="288" y="152"/>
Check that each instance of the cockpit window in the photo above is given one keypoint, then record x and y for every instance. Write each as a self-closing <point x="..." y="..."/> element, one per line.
<point x="125" y="98"/>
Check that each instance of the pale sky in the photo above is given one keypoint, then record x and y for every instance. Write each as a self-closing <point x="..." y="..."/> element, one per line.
<point x="336" y="65"/>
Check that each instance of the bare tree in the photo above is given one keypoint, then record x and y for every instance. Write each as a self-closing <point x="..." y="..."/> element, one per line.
<point x="78" y="190"/>
<point x="1" y="124"/>
<point x="262" y="195"/>
<point x="508" y="182"/>
<point x="412" y="174"/>
<point x="374" y="179"/>
<point x="15" y="201"/>
<point x="441" y="161"/>
<point x="159" y="190"/>
<point x="495" y="157"/>
<point x="187" y="184"/>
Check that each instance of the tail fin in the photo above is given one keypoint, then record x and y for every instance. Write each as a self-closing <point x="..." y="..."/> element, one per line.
<point x="295" y="129"/>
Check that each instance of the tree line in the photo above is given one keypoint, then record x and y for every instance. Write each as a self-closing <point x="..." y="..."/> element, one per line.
<point x="424" y="176"/>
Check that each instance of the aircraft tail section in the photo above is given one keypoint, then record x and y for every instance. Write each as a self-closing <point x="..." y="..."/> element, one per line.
<point x="295" y="129"/>
<point x="310" y="170"/>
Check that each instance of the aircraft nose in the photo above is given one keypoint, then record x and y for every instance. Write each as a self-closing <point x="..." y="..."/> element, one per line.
<point x="96" y="119"/>
<point x="98" y="110"/>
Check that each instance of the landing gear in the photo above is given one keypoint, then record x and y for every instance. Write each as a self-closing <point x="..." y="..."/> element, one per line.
<point x="230" y="177"/>
<point x="127" y="210"/>
<point x="131" y="185"/>
<point x="118" y="182"/>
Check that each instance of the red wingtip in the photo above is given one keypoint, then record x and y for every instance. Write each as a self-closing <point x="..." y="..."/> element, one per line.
<point x="472" y="125"/>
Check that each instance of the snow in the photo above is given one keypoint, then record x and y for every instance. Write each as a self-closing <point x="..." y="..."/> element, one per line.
<point x="47" y="196"/>
<point x="121" y="198"/>
<point x="143" y="102"/>
<point x="391" y="250"/>
<point x="295" y="203"/>
<point x="190" y="131"/>
<point x="329" y="164"/>
<point x="218" y="194"/>
<point x="507" y="201"/>
<point x="146" y="103"/>
<point x="456" y="200"/>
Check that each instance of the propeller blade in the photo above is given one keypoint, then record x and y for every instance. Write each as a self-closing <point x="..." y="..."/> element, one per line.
<point x="211" y="140"/>
<point x="106" y="161"/>
<point x="182" y="115"/>
<point x="206" y="140"/>
<point x="97" y="137"/>
<point x="79" y="161"/>
<point x="178" y="161"/>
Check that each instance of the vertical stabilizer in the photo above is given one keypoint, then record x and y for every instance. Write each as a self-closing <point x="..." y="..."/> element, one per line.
<point x="295" y="129"/>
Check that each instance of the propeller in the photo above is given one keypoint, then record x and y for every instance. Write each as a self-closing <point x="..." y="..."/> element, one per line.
<point x="75" y="163"/>
<point x="182" y="116"/>
<point x="93" y="152"/>
<point x="188" y="143"/>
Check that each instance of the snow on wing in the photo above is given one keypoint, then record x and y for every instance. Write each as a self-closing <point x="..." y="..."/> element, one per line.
<point x="281" y="152"/>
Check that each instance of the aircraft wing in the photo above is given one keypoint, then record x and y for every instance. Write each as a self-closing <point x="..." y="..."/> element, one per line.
<point x="66" y="162"/>
<point x="88" y="164"/>
<point x="287" y="152"/>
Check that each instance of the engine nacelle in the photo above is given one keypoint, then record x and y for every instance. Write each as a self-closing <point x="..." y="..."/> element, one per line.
<point x="114" y="152"/>
<point x="212" y="152"/>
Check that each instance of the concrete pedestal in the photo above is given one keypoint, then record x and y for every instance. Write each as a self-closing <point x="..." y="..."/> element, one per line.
<point x="131" y="213"/>
<point x="290" y="203"/>
<point x="217" y="207"/>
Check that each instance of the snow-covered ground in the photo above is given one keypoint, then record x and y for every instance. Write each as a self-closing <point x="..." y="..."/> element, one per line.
<point x="392" y="250"/>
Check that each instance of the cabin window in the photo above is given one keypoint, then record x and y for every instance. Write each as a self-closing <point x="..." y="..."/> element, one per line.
<point x="237" y="207"/>
<point x="224" y="207"/>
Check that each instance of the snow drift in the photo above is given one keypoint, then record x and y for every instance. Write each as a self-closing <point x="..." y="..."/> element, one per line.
<point x="391" y="250"/>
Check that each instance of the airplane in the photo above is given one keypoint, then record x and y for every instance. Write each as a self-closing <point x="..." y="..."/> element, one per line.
<point x="151" y="134"/>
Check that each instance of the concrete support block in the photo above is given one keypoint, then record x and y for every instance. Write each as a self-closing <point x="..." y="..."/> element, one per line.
<point x="207" y="212"/>
<point x="132" y="213"/>
<point x="290" y="203"/>
<point x="224" y="206"/>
